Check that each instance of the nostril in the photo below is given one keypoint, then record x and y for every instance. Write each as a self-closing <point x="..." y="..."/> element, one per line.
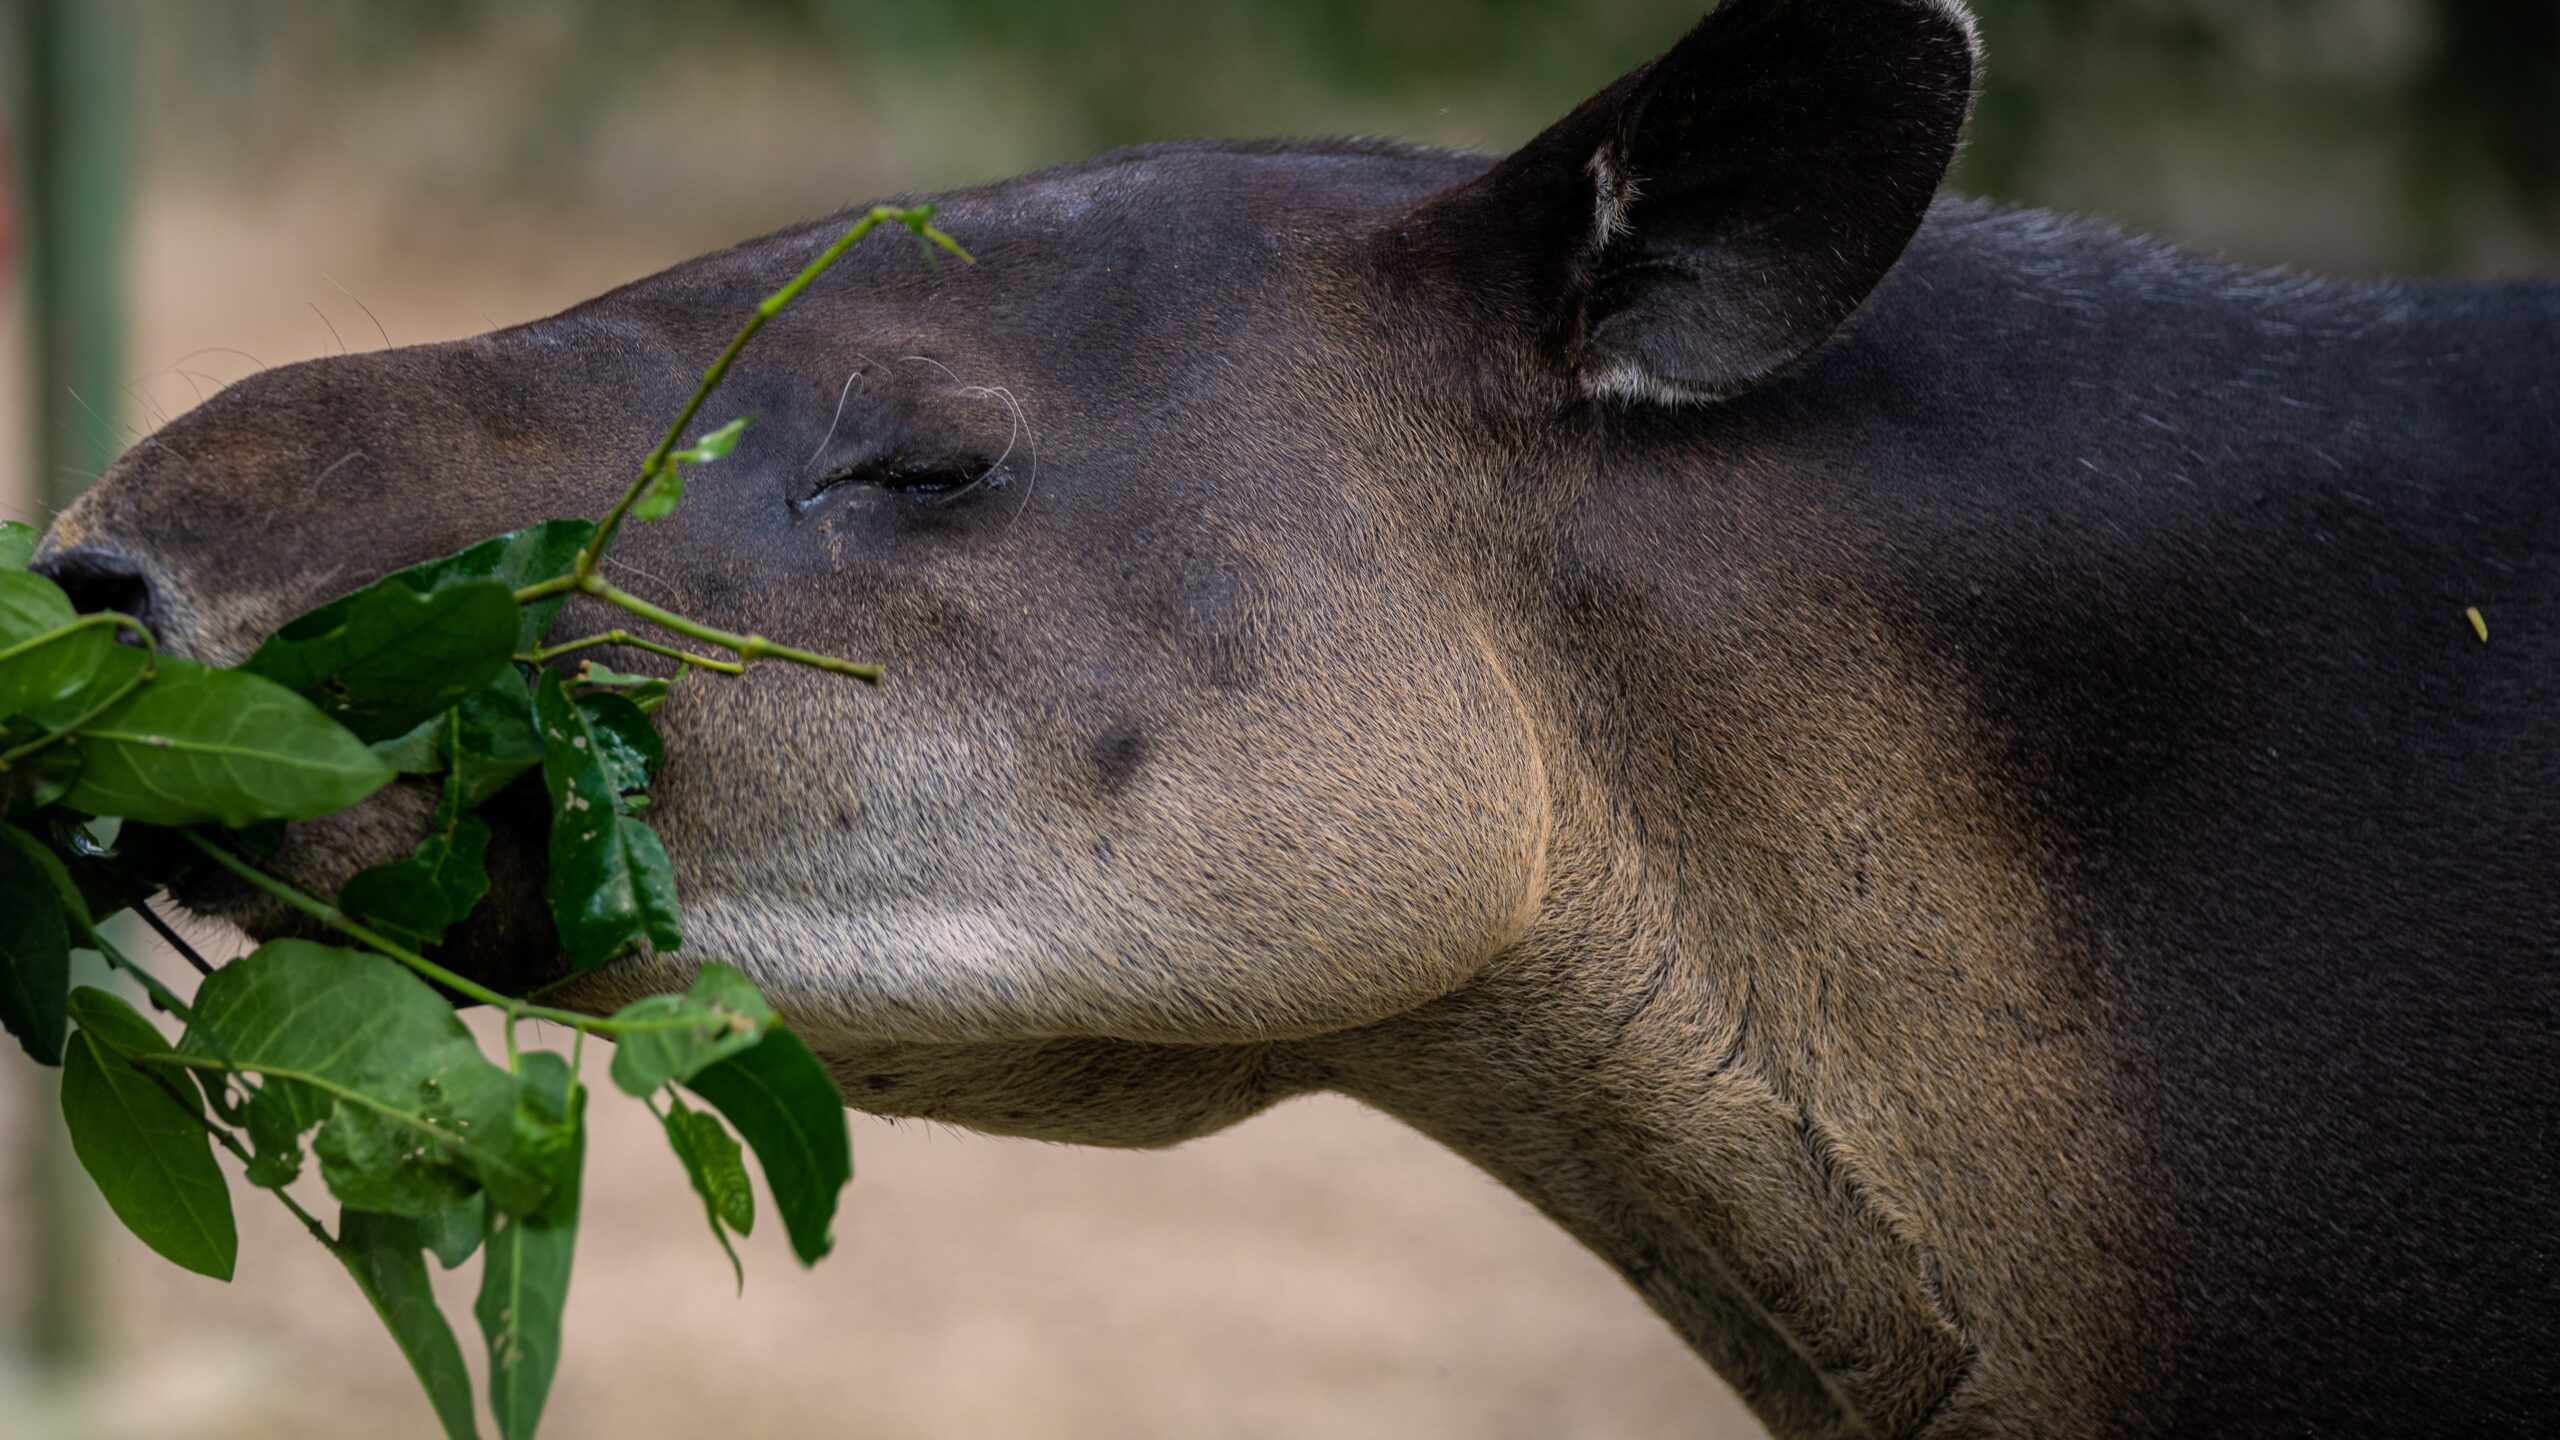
<point x="98" y="579"/>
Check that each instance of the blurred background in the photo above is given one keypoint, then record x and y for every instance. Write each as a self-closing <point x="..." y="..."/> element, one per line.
<point x="204" y="186"/>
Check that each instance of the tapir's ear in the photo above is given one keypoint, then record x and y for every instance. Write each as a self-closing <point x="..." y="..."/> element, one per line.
<point x="1711" y="218"/>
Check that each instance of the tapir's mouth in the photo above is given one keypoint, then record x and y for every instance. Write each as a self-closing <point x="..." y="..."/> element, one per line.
<point x="508" y="943"/>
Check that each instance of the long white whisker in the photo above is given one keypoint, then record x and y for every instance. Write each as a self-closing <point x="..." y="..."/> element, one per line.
<point x="841" y="396"/>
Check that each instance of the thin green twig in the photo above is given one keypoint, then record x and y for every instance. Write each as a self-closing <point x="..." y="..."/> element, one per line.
<point x="513" y="1007"/>
<point x="549" y="653"/>
<point x="919" y="220"/>
<point x="583" y="578"/>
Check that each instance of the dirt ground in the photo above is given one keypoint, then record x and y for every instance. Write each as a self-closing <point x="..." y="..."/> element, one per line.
<point x="1318" y="1271"/>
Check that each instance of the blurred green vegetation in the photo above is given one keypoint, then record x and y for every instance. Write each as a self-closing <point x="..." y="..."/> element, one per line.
<point x="2412" y="134"/>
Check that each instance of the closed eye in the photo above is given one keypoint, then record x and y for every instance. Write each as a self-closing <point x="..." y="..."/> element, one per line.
<point x="932" y="482"/>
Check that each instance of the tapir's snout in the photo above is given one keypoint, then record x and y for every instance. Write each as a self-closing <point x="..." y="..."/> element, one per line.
<point x="100" y="579"/>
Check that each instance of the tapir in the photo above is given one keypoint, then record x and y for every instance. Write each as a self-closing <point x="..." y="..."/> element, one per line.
<point x="1969" y="799"/>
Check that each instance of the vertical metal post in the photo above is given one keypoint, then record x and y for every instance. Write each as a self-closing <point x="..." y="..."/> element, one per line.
<point x="72" y="118"/>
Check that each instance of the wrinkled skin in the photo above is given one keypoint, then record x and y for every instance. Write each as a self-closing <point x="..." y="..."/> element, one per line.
<point x="1912" y="775"/>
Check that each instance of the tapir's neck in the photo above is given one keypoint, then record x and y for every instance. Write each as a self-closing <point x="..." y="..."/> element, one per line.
<point x="1936" y="740"/>
<point x="1809" y="1081"/>
<point x="1813" y="1041"/>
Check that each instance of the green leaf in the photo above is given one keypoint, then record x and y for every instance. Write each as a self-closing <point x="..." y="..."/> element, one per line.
<point x="646" y="693"/>
<point x="712" y="1162"/>
<point x="390" y="656"/>
<point x="721" y="1015"/>
<point x="18" y="541"/>
<point x="35" y="957"/>
<point x="496" y="740"/>
<point x="714" y="446"/>
<point x="418" y="750"/>
<point x="524" y="1279"/>
<point x="53" y="668"/>
<point x="517" y="558"/>
<point x="660" y="497"/>
<point x="627" y="743"/>
<point x="454" y="1235"/>
<point x="36" y="780"/>
<point x="30" y="605"/>
<point x="781" y="1101"/>
<point x="405" y="1156"/>
<point x="611" y="886"/>
<point x="201" y="745"/>
<point x="591" y="673"/>
<point x="49" y="863"/>
<point x="438" y="886"/>
<point x="382" y="1253"/>
<point x="412" y="1114"/>
<point x="138" y="1135"/>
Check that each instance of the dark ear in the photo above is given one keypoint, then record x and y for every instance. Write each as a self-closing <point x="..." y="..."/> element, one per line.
<point x="1710" y="219"/>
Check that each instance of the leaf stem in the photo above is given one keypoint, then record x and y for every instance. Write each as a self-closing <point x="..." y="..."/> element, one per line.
<point x="336" y="919"/>
<point x="745" y="647"/>
<point x="549" y="653"/>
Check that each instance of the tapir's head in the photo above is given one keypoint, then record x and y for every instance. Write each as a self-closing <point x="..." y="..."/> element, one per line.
<point x="1189" y="524"/>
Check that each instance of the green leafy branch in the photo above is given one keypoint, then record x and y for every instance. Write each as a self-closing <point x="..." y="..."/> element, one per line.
<point x="123" y="771"/>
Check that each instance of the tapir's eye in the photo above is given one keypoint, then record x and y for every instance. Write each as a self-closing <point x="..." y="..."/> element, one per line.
<point x="930" y="481"/>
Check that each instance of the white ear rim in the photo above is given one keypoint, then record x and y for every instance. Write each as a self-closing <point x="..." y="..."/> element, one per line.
<point x="1613" y="194"/>
<point x="1956" y="11"/>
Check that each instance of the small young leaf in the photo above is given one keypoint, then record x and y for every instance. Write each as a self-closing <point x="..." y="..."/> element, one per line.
<point x="199" y="745"/>
<point x="721" y="1015"/>
<point x="18" y="541"/>
<point x="712" y="1162"/>
<point x="138" y="1136"/>
<point x="390" y="656"/>
<point x="713" y="446"/>
<point x="382" y="1253"/>
<point x="660" y="497"/>
<point x="781" y="1101"/>
<point x="524" y="1277"/>
<point x="611" y="886"/>
<point x="35" y="957"/>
